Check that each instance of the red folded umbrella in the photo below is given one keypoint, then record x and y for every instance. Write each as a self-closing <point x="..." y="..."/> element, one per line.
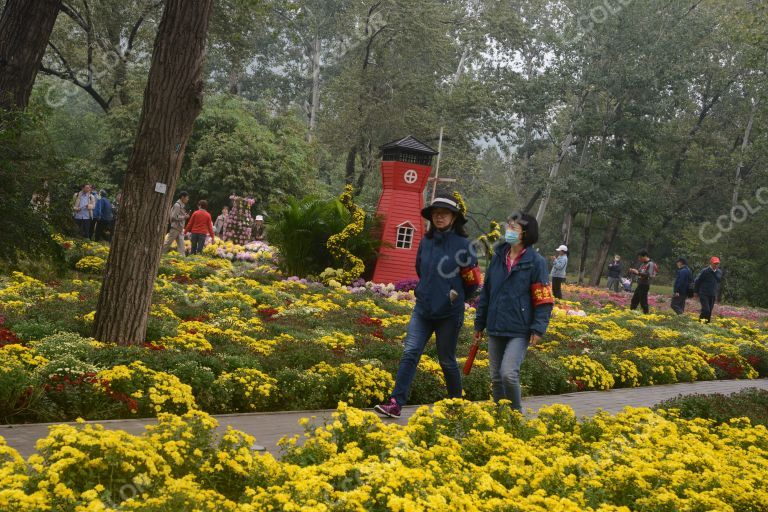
<point x="471" y="357"/>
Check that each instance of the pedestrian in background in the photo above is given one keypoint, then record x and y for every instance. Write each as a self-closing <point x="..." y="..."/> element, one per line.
<point x="200" y="226"/>
<point x="83" y="204"/>
<point x="178" y="219"/>
<point x="559" y="269"/>
<point x="706" y="287"/>
<point x="104" y="218"/>
<point x="645" y="274"/>
<point x="614" y="274"/>
<point x="221" y="222"/>
<point x="683" y="282"/>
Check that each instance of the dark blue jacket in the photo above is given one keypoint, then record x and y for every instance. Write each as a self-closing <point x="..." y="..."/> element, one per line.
<point x="708" y="281"/>
<point x="506" y="306"/>
<point x="614" y="269"/>
<point x="438" y="263"/>
<point x="103" y="210"/>
<point x="683" y="280"/>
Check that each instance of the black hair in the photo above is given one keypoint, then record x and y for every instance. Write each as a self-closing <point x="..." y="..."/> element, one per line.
<point x="183" y="194"/>
<point x="530" y="227"/>
<point x="103" y="193"/>
<point x="643" y="254"/>
<point x="458" y="228"/>
<point x="681" y="260"/>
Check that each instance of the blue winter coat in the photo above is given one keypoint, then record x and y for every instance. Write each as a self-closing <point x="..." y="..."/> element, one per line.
<point x="506" y="306"/>
<point x="708" y="281"/>
<point x="103" y="210"/>
<point x="682" y="281"/>
<point x="438" y="263"/>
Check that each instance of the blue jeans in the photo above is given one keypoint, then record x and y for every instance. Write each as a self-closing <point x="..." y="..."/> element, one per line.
<point x="505" y="356"/>
<point x="446" y="336"/>
<point x="198" y="242"/>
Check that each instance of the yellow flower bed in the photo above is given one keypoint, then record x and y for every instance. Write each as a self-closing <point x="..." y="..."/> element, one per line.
<point x="587" y="374"/>
<point x="92" y="264"/>
<point x="249" y="386"/>
<point x="458" y="456"/>
<point x="337" y="340"/>
<point x="148" y="389"/>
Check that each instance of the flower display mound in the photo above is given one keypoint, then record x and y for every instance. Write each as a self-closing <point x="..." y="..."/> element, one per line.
<point x="457" y="456"/>
<point x="239" y="221"/>
<point x="230" y="336"/>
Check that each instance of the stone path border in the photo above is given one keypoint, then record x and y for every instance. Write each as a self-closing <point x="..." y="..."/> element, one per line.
<point x="268" y="428"/>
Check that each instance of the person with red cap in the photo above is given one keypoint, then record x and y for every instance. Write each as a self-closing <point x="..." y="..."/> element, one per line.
<point x="706" y="287"/>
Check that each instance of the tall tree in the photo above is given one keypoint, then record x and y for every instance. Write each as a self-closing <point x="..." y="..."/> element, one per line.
<point x="98" y="46"/>
<point x="25" y="26"/>
<point x="172" y="101"/>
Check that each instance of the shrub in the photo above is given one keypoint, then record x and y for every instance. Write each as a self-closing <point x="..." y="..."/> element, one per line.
<point x="301" y="228"/>
<point x="749" y="403"/>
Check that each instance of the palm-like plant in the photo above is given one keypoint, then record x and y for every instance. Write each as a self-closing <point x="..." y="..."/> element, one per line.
<point x="301" y="228"/>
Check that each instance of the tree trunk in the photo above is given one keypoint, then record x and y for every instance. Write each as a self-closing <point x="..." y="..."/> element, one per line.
<point x="585" y="246"/>
<point x="315" y="104"/>
<point x="744" y="145"/>
<point x="349" y="173"/>
<point x="233" y="79"/>
<point x="561" y="152"/>
<point x="602" y="251"/>
<point x="553" y="172"/>
<point x="25" y="27"/>
<point x="172" y="101"/>
<point x="566" y="229"/>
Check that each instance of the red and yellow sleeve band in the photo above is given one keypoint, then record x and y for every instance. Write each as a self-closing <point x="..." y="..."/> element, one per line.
<point x="472" y="276"/>
<point x="541" y="293"/>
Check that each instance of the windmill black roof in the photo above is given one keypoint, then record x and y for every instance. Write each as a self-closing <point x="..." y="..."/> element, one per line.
<point x="409" y="143"/>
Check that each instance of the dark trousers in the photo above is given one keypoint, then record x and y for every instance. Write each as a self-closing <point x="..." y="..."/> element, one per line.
<point x="103" y="230"/>
<point x="678" y="303"/>
<point x="420" y="329"/>
<point x="707" y="305"/>
<point x="85" y="227"/>
<point x="198" y="242"/>
<point x="641" y="297"/>
<point x="557" y="283"/>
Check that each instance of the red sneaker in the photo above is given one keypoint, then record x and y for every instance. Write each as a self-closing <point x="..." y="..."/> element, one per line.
<point x="390" y="409"/>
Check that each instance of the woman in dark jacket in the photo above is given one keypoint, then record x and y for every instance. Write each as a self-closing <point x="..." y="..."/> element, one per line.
<point x="515" y="305"/>
<point x="447" y="270"/>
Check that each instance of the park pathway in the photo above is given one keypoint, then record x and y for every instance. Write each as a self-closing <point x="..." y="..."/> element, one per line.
<point x="268" y="428"/>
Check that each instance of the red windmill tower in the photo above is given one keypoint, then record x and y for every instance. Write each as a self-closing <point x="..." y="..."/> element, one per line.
<point x="405" y="167"/>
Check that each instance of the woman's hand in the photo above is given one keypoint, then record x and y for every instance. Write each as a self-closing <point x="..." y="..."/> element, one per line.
<point x="534" y="340"/>
<point x="478" y="336"/>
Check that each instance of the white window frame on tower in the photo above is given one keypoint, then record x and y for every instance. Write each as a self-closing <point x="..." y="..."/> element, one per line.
<point x="404" y="235"/>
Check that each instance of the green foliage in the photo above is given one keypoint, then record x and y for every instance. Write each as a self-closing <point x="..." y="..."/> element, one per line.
<point x="28" y="180"/>
<point x="751" y="403"/>
<point x="301" y="228"/>
<point x="238" y="147"/>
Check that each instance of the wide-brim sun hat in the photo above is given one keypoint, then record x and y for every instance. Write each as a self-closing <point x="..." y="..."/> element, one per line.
<point x="449" y="203"/>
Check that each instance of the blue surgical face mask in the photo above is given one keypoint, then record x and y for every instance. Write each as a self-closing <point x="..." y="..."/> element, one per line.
<point x="512" y="236"/>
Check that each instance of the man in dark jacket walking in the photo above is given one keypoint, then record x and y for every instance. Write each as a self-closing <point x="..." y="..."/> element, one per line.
<point x="706" y="287"/>
<point x="680" y="288"/>
<point x="614" y="274"/>
<point x="645" y="274"/>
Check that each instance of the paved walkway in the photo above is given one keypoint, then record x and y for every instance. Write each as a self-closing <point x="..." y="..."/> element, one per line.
<point x="268" y="428"/>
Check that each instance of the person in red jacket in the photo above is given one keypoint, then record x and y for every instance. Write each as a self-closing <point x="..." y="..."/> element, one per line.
<point x="200" y="225"/>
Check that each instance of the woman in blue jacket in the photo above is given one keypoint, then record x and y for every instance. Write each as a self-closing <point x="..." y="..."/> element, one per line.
<point x="445" y="264"/>
<point x="515" y="305"/>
